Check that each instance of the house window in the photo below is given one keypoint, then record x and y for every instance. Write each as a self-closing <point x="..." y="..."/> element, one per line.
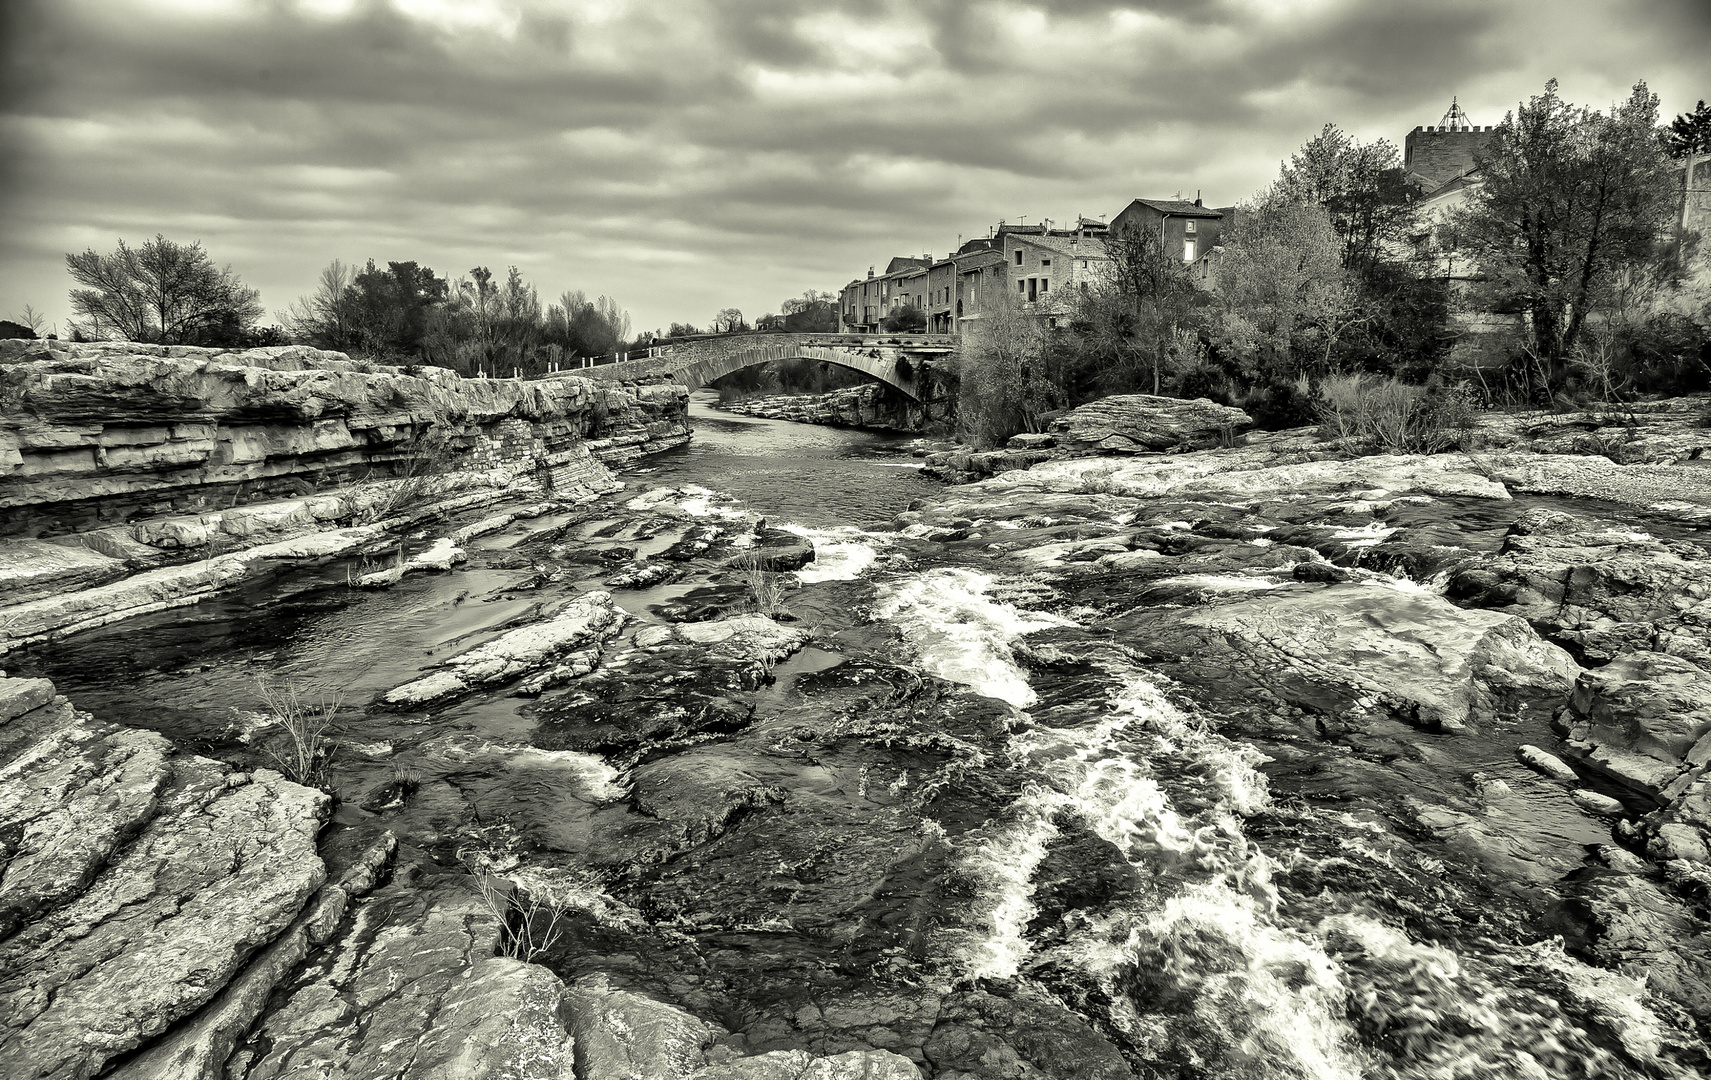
<point x="1045" y="262"/>
<point x="1045" y="283"/>
<point x="1188" y="226"/>
<point x="1084" y="264"/>
<point x="1018" y="256"/>
<point x="1033" y="289"/>
<point x="1188" y="251"/>
<point x="1021" y="285"/>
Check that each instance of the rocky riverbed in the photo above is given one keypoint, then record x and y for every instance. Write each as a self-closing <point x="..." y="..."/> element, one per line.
<point x="1244" y="762"/>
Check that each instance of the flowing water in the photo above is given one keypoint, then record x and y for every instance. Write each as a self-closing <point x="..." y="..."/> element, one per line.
<point x="1257" y="911"/>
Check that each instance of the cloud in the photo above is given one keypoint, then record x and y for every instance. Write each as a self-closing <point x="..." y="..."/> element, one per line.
<point x="698" y="155"/>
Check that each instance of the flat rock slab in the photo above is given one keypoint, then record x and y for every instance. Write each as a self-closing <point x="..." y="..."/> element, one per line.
<point x="590" y="618"/>
<point x="140" y="882"/>
<point x="1353" y="649"/>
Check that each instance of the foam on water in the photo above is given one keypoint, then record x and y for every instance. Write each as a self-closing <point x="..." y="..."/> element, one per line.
<point x="842" y="553"/>
<point x="960" y="633"/>
<point x="1274" y="995"/>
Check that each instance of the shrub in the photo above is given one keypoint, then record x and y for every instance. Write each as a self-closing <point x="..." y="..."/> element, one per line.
<point x="1280" y="404"/>
<point x="1391" y="415"/>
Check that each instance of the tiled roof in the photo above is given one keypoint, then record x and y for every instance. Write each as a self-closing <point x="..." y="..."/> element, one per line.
<point x="1179" y="208"/>
<point x="1090" y="247"/>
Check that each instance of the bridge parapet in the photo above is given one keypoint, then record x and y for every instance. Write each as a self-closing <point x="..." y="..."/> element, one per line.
<point x="890" y="358"/>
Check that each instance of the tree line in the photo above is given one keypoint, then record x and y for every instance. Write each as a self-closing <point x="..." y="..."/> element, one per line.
<point x="172" y="293"/>
<point x="1568" y="238"/>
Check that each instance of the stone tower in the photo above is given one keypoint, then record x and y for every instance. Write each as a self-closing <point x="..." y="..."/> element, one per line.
<point x="1433" y="155"/>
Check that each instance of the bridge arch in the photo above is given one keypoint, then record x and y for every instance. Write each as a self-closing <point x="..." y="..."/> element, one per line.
<point x="699" y="372"/>
<point x="893" y="360"/>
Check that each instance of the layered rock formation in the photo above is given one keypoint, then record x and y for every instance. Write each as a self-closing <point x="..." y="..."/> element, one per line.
<point x="136" y="477"/>
<point x="166" y="917"/>
<point x="97" y="434"/>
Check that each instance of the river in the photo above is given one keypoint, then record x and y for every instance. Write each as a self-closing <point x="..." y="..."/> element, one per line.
<point x="1077" y="858"/>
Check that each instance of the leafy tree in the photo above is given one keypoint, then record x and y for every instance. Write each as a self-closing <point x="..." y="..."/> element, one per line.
<point x="390" y="308"/>
<point x="678" y="329"/>
<point x="1361" y="186"/>
<point x="1004" y="385"/>
<point x="904" y="319"/>
<point x="728" y="321"/>
<point x="1286" y="300"/>
<point x="1136" y="319"/>
<point x="161" y="292"/>
<point x="1689" y="133"/>
<point x="1570" y="198"/>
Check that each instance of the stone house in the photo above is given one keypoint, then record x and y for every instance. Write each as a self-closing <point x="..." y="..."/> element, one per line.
<point x="1186" y="228"/>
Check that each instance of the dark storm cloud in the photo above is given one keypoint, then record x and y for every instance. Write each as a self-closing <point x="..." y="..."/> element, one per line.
<point x="688" y="156"/>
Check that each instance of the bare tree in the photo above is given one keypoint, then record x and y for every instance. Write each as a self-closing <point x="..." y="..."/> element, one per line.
<point x="162" y="291"/>
<point x="326" y="318"/>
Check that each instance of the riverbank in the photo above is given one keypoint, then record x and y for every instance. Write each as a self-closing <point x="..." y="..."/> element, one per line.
<point x="1224" y="763"/>
<point x="137" y="477"/>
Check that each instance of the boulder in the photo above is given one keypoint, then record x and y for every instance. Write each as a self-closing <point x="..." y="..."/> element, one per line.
<point x="1138" y="423"/>
<point x="1598" y="589"/>
<point x="1349" y="650"/>
<point x="1647" y="703"/>
<point x="621" y="1035"/>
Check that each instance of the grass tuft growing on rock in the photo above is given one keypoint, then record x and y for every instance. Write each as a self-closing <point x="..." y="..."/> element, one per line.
<point x="765" y="589"/>
<point x="304" y="752"/>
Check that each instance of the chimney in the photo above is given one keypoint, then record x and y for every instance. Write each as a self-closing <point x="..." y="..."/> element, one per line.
<point x="1196" y="196"/>
<point x="870" y="271"/>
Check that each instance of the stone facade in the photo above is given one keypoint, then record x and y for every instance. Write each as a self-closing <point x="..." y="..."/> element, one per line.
<point x="1432" y="156"/>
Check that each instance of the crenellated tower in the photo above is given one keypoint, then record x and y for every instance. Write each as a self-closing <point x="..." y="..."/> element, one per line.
<point x="1440" y="153"/>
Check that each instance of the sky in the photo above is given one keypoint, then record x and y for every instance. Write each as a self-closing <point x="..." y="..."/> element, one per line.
<point x="685" y="156"/>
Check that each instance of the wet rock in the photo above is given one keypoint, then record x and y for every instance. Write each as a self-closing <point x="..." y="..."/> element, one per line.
<point x="737" y="637"/>
<point x="1597" y="803"/>
<point x="143" y="881"/>
<point x="698" y="541"/>
<point x="407" y="984"/>
<point x="991" y="1037"/>
<point x="644" y="575"/>
<point x="623" y="1035"/>
<point x="1347" y="651"/>
<point x="775" y="551"/>
<point x="1638" y="927"/>
<point x="1547" y="763"/>
<point x="1643" y="705"/>
<point x="199" y="1048"/>
<point x="1598" y="589"/>
<point x="591" y="617"/>
<point x="799" y="1065"/>
<point x="1131" y="423"/>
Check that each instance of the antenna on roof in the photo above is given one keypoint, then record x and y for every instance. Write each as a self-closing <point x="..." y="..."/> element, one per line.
<point x="1456" y="119"/>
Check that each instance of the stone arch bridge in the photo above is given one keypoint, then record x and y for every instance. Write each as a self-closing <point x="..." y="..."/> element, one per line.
<point x="893" y="359"/>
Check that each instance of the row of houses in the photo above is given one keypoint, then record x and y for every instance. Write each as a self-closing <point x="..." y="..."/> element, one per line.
<point x="1039" y="267"/>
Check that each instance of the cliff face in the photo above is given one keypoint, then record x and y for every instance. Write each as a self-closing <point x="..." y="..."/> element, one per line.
<point x="93" y="435"/>
<point x="135" y="478"/>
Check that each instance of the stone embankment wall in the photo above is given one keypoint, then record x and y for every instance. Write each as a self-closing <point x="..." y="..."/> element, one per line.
<point x="93" y="435"/>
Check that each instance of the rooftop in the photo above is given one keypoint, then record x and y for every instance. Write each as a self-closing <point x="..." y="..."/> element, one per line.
<point x="1179" y="208"/>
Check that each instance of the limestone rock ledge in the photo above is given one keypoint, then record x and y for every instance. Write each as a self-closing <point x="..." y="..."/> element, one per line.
<point x="163" y="917"/>
<point x="138" y="882"/>
<point x="101" y="433"/>
<point x="139" y="477"/>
